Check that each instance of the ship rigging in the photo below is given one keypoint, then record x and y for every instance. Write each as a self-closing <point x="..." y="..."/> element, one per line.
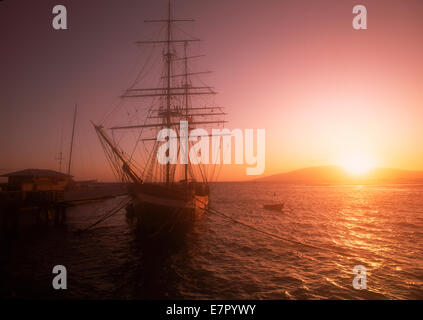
<point x="165" y="196"/>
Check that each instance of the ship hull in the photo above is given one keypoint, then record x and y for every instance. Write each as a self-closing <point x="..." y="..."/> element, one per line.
<point x="161" y="212"/>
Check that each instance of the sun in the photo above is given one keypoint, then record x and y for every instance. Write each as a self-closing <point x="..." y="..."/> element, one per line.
<point x="357" y="164"/>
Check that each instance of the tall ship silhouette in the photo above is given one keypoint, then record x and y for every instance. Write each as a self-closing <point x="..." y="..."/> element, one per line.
<point x="166" y="198"/>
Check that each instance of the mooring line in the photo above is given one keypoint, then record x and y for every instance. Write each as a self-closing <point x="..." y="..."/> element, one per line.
<point x="122" y="204"/>
<point x="108" y="214"/>
<point x="275" y="236"/>
<point x="260" y="230"/>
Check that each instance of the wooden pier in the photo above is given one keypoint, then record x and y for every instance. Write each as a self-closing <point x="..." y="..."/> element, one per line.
<point x="29" y="208"/>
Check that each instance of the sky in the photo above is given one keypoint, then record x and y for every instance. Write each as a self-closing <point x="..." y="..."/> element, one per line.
<point x="324" y="92"/>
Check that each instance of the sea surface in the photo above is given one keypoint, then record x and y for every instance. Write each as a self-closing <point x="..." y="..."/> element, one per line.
<point x="322" y="233"/>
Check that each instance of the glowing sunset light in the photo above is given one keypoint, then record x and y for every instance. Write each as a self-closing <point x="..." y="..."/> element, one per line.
<point x="358" y="164"/>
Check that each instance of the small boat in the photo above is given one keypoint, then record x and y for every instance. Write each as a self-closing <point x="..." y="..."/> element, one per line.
<point x="274" y="206"/>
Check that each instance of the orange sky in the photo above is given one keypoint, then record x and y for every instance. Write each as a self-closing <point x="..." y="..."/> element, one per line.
<point x="322" y="90"/>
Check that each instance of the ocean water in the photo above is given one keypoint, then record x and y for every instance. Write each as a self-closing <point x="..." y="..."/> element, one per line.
<point x="323" y="232"/>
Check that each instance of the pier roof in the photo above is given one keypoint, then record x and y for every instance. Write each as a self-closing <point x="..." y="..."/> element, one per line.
<point x="36" y="172"/>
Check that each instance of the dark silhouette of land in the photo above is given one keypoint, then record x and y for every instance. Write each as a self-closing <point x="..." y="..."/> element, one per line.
<point x="337" y="175"/>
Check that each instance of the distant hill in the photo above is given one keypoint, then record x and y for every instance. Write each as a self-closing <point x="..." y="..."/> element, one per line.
<point x="337" y="175"/>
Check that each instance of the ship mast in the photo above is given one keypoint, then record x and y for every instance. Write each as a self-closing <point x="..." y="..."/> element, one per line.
<point x="186" y="105"/>
<point x="60" y="159"/>
<point x="169" y="68"/>
<point x="73" y="135"/>
<point x="172" y="92"/>
<point x="60" y="155"/>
